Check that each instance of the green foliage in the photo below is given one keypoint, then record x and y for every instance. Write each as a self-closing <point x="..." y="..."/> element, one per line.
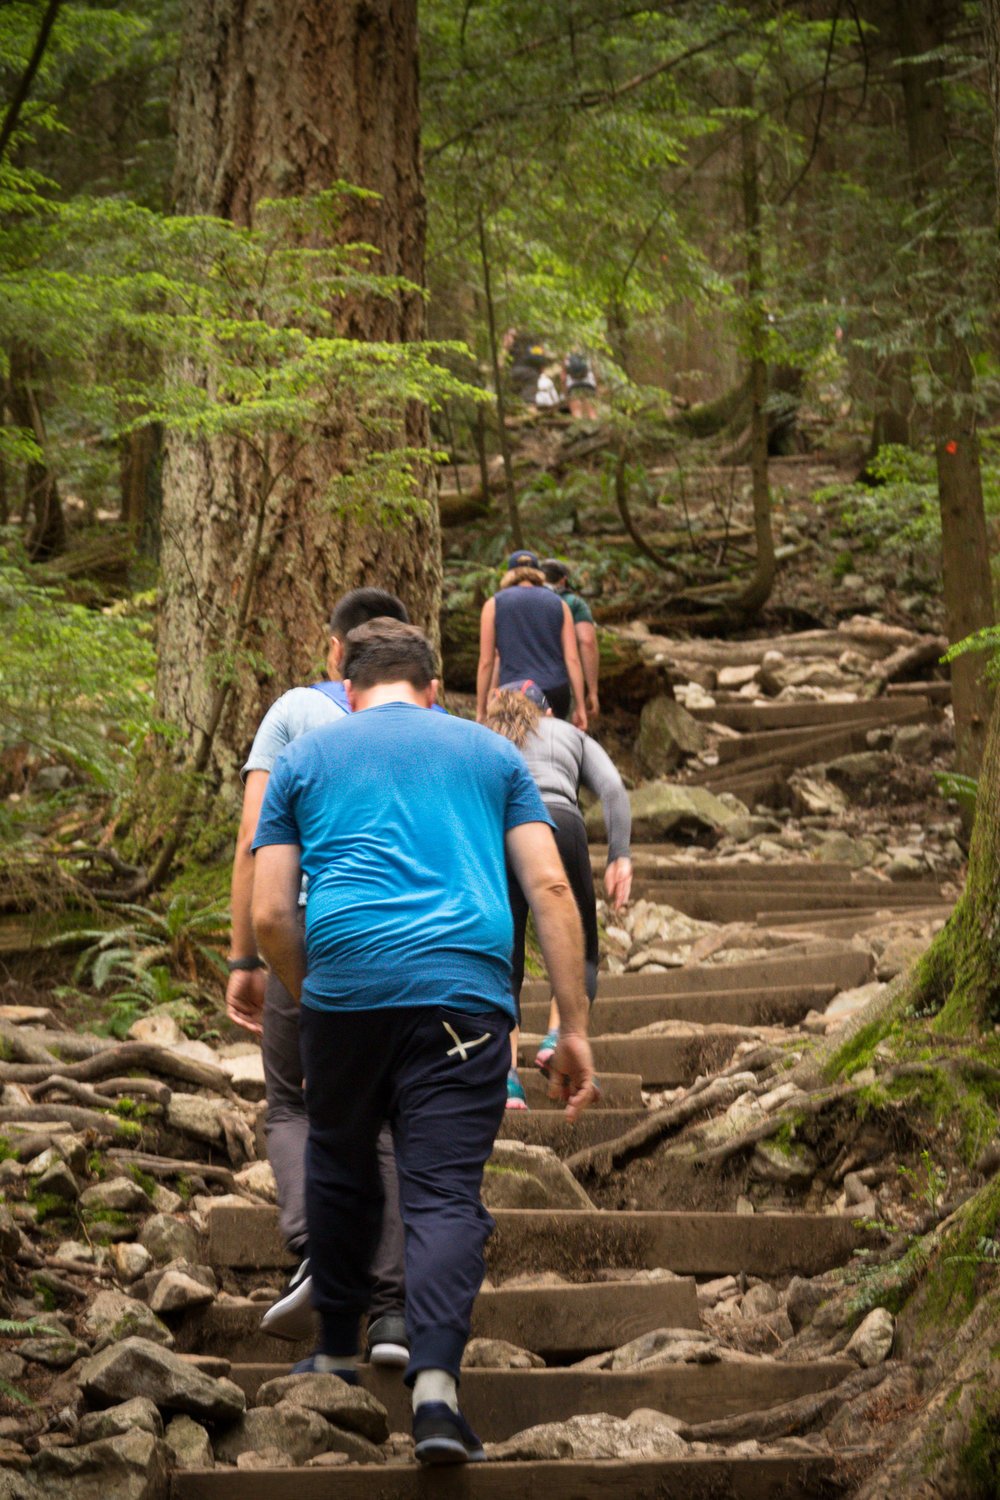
<point x="75" y="683"/>
<point x="21" y="1328"/>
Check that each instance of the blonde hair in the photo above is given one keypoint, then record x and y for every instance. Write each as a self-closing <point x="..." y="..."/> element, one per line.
<point x="522" y="575"/>
<point x="512" y="715"/>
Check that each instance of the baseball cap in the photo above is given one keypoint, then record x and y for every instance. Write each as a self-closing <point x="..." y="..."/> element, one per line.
<point x="522" y="559"/>
<point x="527" y="689"/>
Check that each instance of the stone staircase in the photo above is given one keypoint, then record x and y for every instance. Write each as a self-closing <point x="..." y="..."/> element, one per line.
<point x="618" y="1274"/>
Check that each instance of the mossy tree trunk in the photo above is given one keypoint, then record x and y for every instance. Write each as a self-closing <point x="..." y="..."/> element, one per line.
<point x="280" y="100"/>
<point x="924" y="29"/>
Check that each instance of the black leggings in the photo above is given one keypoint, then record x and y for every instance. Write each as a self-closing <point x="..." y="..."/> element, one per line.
<point x="559" y="702"/>
<point x="571" y="841"/>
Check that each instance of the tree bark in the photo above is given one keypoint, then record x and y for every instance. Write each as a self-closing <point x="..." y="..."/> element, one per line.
<point x="281" y="100"/>
<point x="47" y="530"/>
<point x="758" y="590"/>
<point x="923" y="29"/>
<point x="510" y="493"/>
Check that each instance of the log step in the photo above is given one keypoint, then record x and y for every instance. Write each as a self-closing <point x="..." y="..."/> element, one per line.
<point x="749" y="903"/>
<point x="549" y="1127"/>
<point x="499" y="1403"/>
<point x="560" y="1323"/>
<point x="844" y="967"/>
<point x="793" y="1477"/>
<point x="749" y="717"/>
<point x="762" y="1006"/>
<point x="663" y="1061"/>
<point x="580" y="1243"/>
<point x="662" y="860"/>
<point x="619" y="1091"/>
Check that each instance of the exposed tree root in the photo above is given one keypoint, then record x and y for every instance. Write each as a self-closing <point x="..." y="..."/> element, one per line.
<point x="791" y="1417"/>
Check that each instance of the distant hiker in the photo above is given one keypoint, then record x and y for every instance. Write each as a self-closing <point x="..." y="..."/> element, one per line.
<point x="547" y="396"/>
<point x="531" y="631"/>
<point x="557" y="578"/>
<point x="526" y="359"/>
<point x="561" y="760"/>
<point x="403" y="822"/>
<point x="581" y="385"/>
<point x="259" y="1000"/>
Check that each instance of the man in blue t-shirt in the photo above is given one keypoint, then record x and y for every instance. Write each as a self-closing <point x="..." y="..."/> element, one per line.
<point x="403" y="822"/>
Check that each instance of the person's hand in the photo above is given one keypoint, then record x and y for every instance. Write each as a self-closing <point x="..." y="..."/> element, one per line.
<point x="571" y="1074"/>
<point x="245" y="998"/>
<point x="618" y="882"/>
<point x="593" y="706"/>
<point x="579" y="717"/>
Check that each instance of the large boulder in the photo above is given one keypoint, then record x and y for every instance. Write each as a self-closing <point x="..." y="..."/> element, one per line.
<point x="190" y="1445"/>
<point x="556" y="1185"/>
<point x="660" y="809"/>
<point x="112" y="1316"/>
<point x="136" y="1367"/>
<point x="643" y="1434"/>
<point x="667" y="732"/>
<point x="293" y="1430"/>
<point x="168" y="1238"/>
<point x="871" y="1342"/>
<point x="131" y="1466"/>
<point x="349" y="1406"/>
<point x="139" y="1414"/>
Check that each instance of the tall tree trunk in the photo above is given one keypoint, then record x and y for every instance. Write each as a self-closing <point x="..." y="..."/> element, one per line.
<point x="47" y="528"/>
<point x="758" y="590"/>
<point x="923" y="29"/>
<point x="278" y="100"/>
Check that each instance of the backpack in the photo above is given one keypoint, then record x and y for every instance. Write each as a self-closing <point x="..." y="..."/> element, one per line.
<point x="577" y="367"/>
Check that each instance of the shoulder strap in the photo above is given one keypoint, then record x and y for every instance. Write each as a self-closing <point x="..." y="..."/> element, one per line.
<point x="335" y="691"/>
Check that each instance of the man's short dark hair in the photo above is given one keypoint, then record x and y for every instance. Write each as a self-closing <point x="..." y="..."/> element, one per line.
<point x="362" y="605"/>
<point x="554" y="570"/>
<point x="388" y="651"/>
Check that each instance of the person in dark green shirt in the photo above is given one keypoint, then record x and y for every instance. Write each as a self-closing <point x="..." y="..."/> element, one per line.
<point x="557" y="577"/>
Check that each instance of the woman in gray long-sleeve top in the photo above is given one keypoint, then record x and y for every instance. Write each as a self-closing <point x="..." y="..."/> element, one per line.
<point x="562" y="759"/>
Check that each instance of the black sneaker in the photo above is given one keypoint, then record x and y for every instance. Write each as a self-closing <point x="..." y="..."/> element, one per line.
<point x="388" y="1345"/>
<point x="292" y="1316"/>
<point x="321" y="1364"/>
<point x="443" y="1436"/>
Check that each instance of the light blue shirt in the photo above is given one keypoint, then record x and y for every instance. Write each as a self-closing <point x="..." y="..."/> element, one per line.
<point x="297" y="712"/>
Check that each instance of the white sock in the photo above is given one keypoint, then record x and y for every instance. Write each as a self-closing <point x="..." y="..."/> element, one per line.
<point x="435" y="1385"/>
<point x="332" y="1364"/>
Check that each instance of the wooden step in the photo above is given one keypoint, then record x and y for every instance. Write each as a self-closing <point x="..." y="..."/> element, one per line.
<point x="619" y="1091"/>
<point x="792" y="1477"/>
<point x="663" y="1061"/>
<point x="551" y="1128"/>
<point x="560" y="1323"/>
<point x="721" y="903"/>
<point x="837" y="923"/>
<point x="580" y="1243"/>
<point x="749" y="717"/>
<point x="649" y="867"/>
<point x="762" y="1006"/>
<point x="845" y="967"/>
<point x="499" y="1403"/>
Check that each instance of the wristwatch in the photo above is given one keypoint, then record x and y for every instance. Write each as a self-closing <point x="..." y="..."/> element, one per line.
<point x="247" y="965"/>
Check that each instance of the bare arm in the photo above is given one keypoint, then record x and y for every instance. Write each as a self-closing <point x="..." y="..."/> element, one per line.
<point x="245" y="990"/>
<point x="574" y="672"/>
<point x="277" y="878"/>
<point x="535" y="860"/>
<point x="487" y="652"/>
<point x="586" y="640"/>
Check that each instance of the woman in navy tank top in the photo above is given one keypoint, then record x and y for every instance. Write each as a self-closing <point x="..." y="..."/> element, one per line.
<point x="526" y="632"/>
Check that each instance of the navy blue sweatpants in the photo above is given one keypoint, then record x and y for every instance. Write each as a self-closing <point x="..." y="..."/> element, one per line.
<point x="439" y="1077"/>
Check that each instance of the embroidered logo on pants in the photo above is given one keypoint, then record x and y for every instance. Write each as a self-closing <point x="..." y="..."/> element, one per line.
<point x="460" y="1046"/>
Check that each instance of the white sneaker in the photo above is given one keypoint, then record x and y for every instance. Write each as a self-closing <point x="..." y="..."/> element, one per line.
<point x="292" y="1316"/>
